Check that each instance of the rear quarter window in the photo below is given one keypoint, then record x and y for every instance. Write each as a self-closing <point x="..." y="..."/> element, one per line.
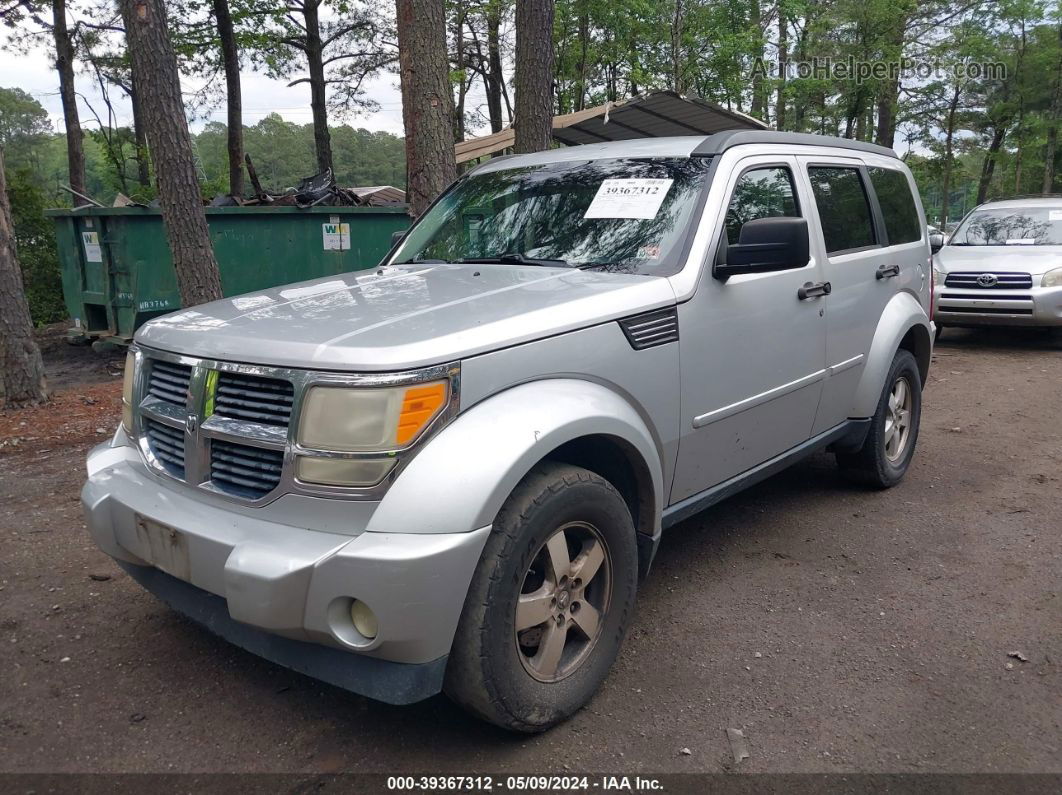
<point x="897" y="205"/>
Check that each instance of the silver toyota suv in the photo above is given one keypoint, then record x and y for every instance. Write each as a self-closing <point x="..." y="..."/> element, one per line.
<point x="1002" y="266"/>
<point x="451" y="472"/>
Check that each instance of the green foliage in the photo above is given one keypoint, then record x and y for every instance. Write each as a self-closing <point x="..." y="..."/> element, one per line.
<point x="35" y="240"/>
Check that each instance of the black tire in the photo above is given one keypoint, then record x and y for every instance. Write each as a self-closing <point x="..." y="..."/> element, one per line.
<point x="487" y="673"/>
<point x="870" y="464"/>
<point x="939" y="331"/>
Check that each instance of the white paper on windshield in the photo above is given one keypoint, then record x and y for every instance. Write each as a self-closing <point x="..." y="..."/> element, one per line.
<point x="1054" y="215"/>
<point x="1021" y="241"/>
<point x="628" y="198"/>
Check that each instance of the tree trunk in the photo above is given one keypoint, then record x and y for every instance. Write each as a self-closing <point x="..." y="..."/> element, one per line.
<point x="783" y="58"/>
<point x="64" y="63"/>
<point x="140" y="144"/>
<point x="21" y="368"/>
<point x="949" y="139"/>
<point x="676" y="48"/>
<point x="322" y="139"/>
<point x="534" y="75"/>
<point x="462" y="86"/>
<point x="584" y="42"/>
<point x="156" y="80"/>
<point x="755" y="20"/>
<point x="493" y="79"/>
<point x="427" y="101"/>
<point x="230" y="58"/>
<point x="1052" y="129"/>
<point x="988" y="167"/>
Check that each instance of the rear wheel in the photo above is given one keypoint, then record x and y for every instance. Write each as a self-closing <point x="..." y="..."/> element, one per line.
<point x="886" y="453"/>
<point x="549" y="602"/>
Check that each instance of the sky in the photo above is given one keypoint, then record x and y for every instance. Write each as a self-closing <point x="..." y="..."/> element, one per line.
<point x="34" y="74"/>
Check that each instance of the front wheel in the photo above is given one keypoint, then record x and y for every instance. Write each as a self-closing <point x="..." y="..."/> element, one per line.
<point x="549" y="603"/>
<point x="889" y="447"/>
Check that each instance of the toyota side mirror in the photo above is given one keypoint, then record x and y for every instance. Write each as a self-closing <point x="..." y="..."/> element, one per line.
<point x="936" y="241"/>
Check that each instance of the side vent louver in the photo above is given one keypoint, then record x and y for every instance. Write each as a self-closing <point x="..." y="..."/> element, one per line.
<point x="651" y="329"/>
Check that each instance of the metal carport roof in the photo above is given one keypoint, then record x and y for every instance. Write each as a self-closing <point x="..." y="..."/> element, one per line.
<point x="653" y="115"/>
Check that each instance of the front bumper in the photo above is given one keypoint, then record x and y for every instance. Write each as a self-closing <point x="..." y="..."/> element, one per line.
<point x="958" y="306"/>
<point x="283" y="590"/>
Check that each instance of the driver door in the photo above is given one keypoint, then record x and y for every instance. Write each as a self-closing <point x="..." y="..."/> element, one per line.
<point x="752" y="351"/>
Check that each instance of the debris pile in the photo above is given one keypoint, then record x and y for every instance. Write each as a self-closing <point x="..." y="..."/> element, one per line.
<point x="320" y="189"/>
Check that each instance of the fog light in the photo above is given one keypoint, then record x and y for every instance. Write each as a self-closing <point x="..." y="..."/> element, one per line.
<point x="342" y="471"/>
<point x="364" y="619"/>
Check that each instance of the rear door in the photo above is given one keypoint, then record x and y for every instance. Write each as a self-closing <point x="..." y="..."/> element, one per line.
<point x="863" y="274"/>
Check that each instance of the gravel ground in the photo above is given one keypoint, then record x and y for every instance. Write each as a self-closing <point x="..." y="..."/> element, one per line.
<point x="842" y="630"/>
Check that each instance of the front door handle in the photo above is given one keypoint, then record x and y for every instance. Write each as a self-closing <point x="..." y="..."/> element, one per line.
<point x="813" y="290"/>
<point x="887" y="272"/>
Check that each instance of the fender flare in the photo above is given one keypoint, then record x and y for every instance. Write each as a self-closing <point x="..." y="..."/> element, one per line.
<point x="901" y="314"/>
<point x="460" y="479"/>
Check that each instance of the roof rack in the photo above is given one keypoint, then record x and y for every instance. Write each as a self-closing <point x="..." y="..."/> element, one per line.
<point x="719" y="142"/>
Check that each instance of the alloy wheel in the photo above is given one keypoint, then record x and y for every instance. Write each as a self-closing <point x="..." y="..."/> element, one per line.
<point x="898" y="419"/>
<point x="563" y="601"/>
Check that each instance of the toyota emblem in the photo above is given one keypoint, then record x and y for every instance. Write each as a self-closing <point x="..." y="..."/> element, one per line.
<point x="987" y="280"/>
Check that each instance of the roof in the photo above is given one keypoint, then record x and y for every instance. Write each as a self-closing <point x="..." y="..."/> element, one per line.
<point x="375" y="195"/>
<point x="719" y="143"/>
<point x="654" y="115"/>
<point x="679" y="146"/>
<point x="1024" y="201"/>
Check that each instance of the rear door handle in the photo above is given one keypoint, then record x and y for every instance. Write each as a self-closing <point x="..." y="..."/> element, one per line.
<point x="887" y="272"/>
<point x="813" y="290"/>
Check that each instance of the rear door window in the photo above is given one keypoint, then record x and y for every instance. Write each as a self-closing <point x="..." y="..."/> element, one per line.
<point x="844" y="209"/>
<point x="897" y="205"/>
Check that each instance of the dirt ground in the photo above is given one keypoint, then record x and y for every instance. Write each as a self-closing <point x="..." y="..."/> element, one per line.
<point x="918" y="629"/>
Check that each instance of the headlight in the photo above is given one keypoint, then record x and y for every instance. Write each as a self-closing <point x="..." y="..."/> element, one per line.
<point x="1053" y="278"/>
<point x="127" y="390"/>
<point x="344" y="419"/>
<point x="938" y="277"/>
<point x="365" y="419"/>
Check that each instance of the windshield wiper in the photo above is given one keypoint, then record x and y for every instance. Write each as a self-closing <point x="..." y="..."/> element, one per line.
<point x="519" y="259"/>
<point x="423" y="262"/>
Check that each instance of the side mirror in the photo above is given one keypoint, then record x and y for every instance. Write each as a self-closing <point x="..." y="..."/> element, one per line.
<point x="764" y="245"/>
<point x="936" y="241"/>
<point x="396" y="237"/>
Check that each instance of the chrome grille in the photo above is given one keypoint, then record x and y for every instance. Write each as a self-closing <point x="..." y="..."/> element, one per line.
<point x="226" y="427"/>
<point x="1003" y="281"/>
<point x="245" y="471"/>
<point x="169" y="381"/>
<point x="167" y="445"/>
<point x="254" y="398"/>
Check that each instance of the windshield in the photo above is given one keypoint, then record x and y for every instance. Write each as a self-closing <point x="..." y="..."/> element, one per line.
<point x="623" y="215"/>
<point x="1019" y="226"/>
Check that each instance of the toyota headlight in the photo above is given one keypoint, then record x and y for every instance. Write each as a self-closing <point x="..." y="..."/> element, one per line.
<point x="127" y="391"/>
<point x="344" y="420"/>
<point x="938" y="277"/>
<point x="1052" y="278"/>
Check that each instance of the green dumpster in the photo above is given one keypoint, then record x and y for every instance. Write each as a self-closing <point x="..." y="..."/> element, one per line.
<point x="117" y="271"/>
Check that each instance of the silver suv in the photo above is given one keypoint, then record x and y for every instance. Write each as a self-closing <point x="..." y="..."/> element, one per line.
<point x="451" y="472"/>
<point x="1002" y="266"/>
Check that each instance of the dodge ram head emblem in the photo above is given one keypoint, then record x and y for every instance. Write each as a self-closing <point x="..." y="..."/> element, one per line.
<point x="191" y="422"/>
<point x="987" y="280"/>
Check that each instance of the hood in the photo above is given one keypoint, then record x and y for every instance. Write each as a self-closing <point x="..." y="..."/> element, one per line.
<point x="1036" y="260"/>
<point x="398" y="318"/>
